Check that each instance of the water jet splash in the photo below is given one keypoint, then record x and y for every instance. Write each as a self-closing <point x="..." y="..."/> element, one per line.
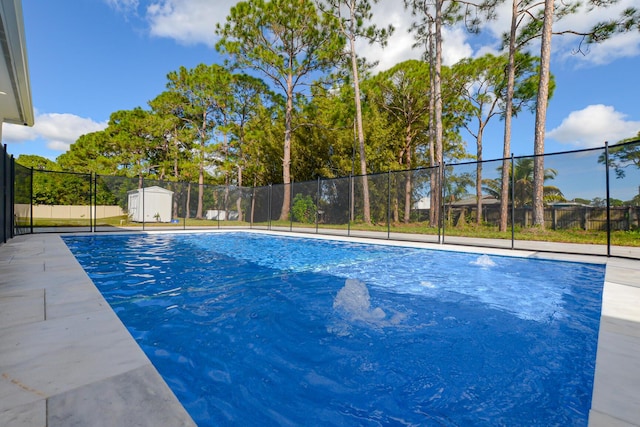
<point x="484" y="261"/>
<point x="354" y="300"/>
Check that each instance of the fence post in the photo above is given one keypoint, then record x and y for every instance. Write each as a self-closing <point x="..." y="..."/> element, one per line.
<point x="269" y="210"/>
<point x="3" y="185"/>
<point x="586" y="218"/>
<point x="442" y="179"/>
<point x="317" y="204"/>
<point x="351" y="205"/>
<point x="513" y="204"/>
<point x="290" y="205"/>
<point x="388" y="204"/>
<point x="31" y="200"/>
<point x="186" y="211"/>
<point x="606" y="161"/>
<point x="142" y="188"/>
<point x="12" y="197"/>
<point x="3" y="189"/>
<point x="93" y="208"/>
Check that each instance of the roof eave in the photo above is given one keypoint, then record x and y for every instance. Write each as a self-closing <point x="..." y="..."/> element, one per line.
<point x="14" y="49"/>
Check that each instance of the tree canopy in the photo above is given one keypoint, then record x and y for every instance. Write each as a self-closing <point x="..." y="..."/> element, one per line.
<point x="295" y="101"/>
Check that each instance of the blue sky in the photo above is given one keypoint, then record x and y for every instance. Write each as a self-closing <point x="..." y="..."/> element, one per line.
<point x="89" y="58"/>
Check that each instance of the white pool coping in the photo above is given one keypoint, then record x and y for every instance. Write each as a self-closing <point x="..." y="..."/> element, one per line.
<point x="66" y="359"/>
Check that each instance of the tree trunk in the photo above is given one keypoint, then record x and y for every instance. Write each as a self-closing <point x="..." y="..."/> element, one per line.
<point x="253" y="201"/>
<point x="407" y="181"/>
<point x="363" y="158"/>
<point x="200" y="191"/>
<point x="434" y="205"/>
<point x="396" y="213"/>
<point x="286" y="159"/>
<point x="437" y="87"/>
<point x="506" y="151"/>
<point x="479" y="176"/>
<point x="541" y="116"/>
<point x="188" y="213"/>
<point x="239" y="199"/>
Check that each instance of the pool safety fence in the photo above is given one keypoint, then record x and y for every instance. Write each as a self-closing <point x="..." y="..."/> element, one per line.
<point x="6" y="193"/>
<point x="588" y="196"/>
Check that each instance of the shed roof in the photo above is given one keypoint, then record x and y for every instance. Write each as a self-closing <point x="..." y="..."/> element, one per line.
<point x="152" y="189"/>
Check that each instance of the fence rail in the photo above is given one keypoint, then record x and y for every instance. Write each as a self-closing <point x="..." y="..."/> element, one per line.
<point x="592" y="202"/>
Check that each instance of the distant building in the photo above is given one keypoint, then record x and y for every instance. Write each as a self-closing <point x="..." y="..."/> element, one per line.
<point x="472" y="201"/>
<point x="151" y="204"/>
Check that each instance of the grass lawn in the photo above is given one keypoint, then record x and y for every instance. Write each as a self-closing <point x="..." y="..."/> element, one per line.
<point x="618" y="238"/>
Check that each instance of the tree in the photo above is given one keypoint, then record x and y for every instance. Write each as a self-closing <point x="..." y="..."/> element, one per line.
<point x="206" y="92"/>
<point x="622" y="155"/>
<point x="541" y="114"/>
<point x="428" y="31"/>
<point x="400" y="91"/>
<point x="92" y="153"/>
<point x="250" y="96"/>
<point x="287" y="41"/>
<point x="484" y="88"/>
<point x="43" y="186"/>
<point x="176" y="138"/>
<point x="329" y="135"/>
<point x="629" y="20"/>
<point x="131" y="132"/>
<point x="352" y="26"/>
<point x="520" y="9"/>
<point x="523" y="183"/>
<point x="37" y="162"/>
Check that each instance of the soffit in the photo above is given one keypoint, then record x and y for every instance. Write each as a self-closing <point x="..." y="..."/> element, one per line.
<point x="15" y="89"/>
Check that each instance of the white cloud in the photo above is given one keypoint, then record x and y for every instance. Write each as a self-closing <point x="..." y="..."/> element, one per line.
<point x="400" y="45"/>
<point x="454" y="45"/>
<point x="193" y="22"/>
<point x="187" y="21"/>
<point x="593" y="125"/>
<point x="620" y="46"/>
<point x="58" y="130"/>
<point x="567" y="46"/>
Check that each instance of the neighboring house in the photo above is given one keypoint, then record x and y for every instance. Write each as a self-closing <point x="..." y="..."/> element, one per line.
<point x="472" y="202"/>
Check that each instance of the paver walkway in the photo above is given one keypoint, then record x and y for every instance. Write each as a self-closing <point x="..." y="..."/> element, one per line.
<point x="65" y="357"/>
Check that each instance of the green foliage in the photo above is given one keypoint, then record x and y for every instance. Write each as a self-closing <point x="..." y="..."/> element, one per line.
<point x="623" y="155"/>
<point x="304" y="209"/>
<point x="36" y="162"/>
<point x="523" y="184"/>
<point x="59" y="188"/>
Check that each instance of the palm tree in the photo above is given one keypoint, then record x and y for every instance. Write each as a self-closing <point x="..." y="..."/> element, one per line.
<point x="523" y="184"/>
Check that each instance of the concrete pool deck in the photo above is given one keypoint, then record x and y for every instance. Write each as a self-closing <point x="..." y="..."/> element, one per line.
<point x="67" y="360"/>
<point x="65" y="357"/>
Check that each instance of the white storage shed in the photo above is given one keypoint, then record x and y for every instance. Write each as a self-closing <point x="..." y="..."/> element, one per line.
<point x="151" y="204"/>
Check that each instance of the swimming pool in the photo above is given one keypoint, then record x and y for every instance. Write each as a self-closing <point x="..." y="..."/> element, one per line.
<point x="251" y="329"/>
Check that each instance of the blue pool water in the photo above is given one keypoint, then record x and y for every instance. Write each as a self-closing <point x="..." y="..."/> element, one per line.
<point x="250" y="329"/>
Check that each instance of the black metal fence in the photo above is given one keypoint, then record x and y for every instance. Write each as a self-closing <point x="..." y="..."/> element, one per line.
<point x="592" y="203"/>
<point x="6" y="192"/>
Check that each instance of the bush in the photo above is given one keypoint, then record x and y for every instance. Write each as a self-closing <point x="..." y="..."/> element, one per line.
<point x="303" y="210"/>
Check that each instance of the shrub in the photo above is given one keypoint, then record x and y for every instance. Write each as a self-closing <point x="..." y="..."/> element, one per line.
<point x="303" y="210"/>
